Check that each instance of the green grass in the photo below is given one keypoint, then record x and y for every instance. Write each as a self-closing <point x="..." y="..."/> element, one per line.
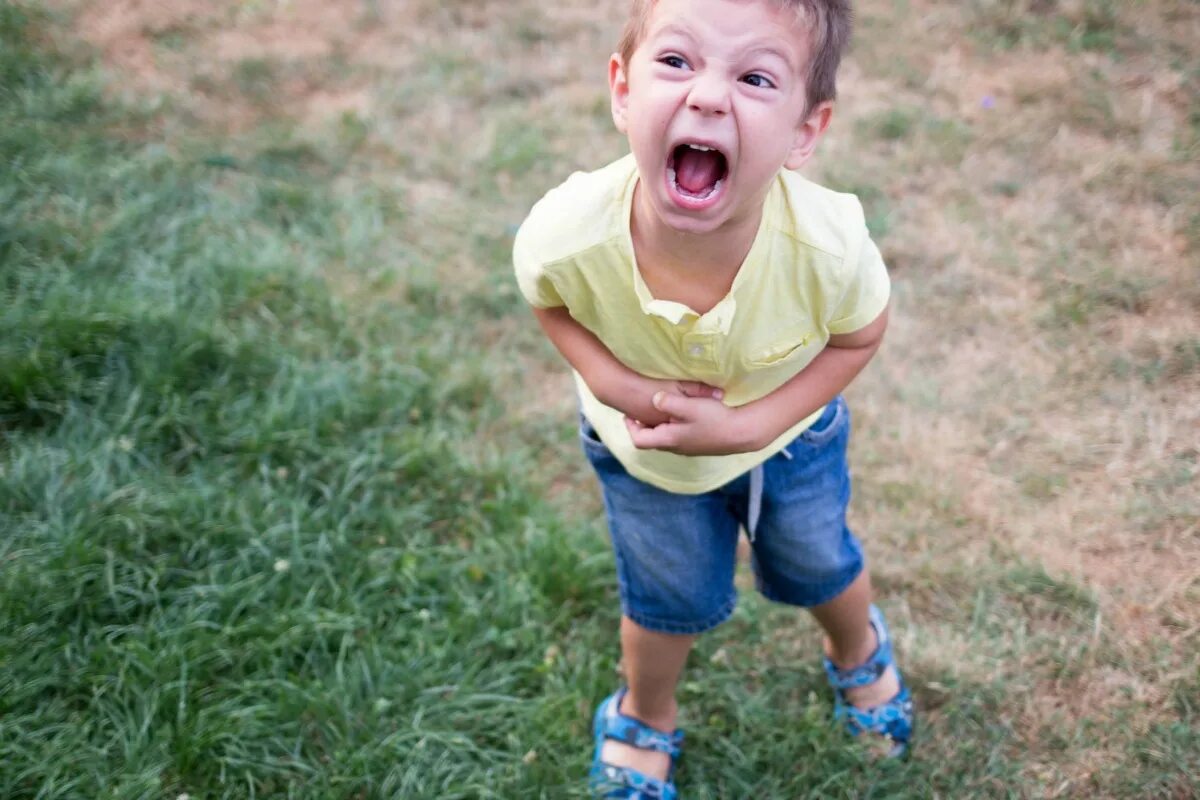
<point x="234" y="565"/>
<point x="1091" y="25"/>
<point x="940" y="139"/>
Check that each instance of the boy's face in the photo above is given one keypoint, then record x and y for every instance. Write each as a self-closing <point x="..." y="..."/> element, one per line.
<point x="713" y="103"/>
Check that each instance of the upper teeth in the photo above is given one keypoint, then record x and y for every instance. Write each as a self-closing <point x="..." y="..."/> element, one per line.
<point x="700" y="147"/>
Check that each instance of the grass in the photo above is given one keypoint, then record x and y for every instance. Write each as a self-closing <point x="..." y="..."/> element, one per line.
<point x="1093" y="25"/>
<point x="945" y="139"/>
<point x="245" y="554"/>
<point x="291" y="509"/>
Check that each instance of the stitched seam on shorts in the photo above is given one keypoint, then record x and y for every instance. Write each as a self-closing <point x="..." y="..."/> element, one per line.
<point x="669" y="626"/>
<point x="824" y="597"/>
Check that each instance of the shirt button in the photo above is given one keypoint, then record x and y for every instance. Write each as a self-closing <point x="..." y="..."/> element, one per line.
<point x="696" y="350"/>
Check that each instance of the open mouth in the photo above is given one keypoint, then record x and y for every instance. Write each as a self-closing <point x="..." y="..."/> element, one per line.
<point x="696" y="172"/>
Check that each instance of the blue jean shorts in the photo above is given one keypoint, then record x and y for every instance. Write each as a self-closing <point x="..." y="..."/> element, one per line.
<point x="676" y="553"/>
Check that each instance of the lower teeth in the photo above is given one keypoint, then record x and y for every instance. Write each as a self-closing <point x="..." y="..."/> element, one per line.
<point x="706" y="195"/>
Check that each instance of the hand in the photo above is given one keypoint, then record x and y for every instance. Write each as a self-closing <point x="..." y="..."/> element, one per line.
<point x="696" y="426"/>
<point x="638" y="404"/>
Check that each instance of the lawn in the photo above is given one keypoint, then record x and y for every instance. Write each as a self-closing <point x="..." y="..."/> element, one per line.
<point x="290" y="499"/>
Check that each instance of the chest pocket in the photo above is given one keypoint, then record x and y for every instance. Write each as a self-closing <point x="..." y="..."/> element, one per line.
<point x="785" y="349"/>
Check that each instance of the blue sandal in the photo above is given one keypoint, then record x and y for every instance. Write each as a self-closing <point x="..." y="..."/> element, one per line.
<point x="622" y="783"/>
<point x="894" y="720"/>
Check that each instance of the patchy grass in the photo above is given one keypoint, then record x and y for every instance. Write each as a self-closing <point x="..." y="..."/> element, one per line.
<point x="290" y="478"/>
<point x="1091" y="25"/>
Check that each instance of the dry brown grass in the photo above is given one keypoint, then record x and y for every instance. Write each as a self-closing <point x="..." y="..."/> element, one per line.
<point x="1035" y="165"/>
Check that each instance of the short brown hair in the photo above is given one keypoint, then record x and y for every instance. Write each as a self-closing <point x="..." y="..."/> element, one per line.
<point x="829" y="23"/>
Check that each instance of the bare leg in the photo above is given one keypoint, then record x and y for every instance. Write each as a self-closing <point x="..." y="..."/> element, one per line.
<point x="851" y="640"/>
<point x="653" y="663"/>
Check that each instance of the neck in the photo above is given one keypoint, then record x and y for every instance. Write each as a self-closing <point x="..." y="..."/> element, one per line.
<point x="714" y="252"/>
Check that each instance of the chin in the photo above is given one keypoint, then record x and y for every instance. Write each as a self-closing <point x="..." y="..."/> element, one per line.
<point x="684" y="219"/>
<point x="688" y="222"/>
<point x="693" y="226"/>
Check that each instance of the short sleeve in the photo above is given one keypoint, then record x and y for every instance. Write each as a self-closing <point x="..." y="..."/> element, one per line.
<point x="866" y="293"/>
<point x="532" y="280"/>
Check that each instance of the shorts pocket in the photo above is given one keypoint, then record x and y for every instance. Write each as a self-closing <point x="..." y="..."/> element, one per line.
<point x="592" y="445"/>
<point x="831" y="422"/>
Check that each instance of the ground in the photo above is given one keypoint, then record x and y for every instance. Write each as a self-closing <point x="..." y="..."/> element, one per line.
<point x="1027" y="442"/>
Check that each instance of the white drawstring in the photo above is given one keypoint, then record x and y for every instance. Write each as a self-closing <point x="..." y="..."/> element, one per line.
<point x="756" y="490"/>
<point x="756" y="484"/>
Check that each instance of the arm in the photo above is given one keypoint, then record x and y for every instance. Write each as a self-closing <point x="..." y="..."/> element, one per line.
<point x="613" y="383"/>
<point x="707" y="427"/>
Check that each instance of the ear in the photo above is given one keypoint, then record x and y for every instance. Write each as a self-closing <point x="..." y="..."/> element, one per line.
<point x="808" y="133"/>
<point x="618" y="88"/>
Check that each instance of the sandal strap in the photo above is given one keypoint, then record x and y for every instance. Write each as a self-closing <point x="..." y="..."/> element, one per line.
<point x="893" y="719"/>
<point x="636" y="733"/>
<point x="873" y="668"/>
<point x="629" y="784"/>
<point x="882" y="717"/>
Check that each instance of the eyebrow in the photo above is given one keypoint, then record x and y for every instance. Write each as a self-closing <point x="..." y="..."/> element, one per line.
<point x="768" y="50"/>
<point x="675" y="28"/>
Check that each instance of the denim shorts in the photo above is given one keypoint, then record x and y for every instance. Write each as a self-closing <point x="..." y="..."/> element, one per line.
<point x="676" y="553"/>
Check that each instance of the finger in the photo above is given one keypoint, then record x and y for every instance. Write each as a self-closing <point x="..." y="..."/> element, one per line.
<point x="677" y="406"/>
<point x="697" y="389"/>
<point x="660" y="437"/>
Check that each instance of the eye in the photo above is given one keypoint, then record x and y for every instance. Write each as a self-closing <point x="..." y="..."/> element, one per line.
<point x="674" y="62"/>
<point x="758" y="80"/>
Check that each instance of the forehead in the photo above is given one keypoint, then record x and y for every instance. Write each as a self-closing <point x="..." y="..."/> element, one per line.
<point x="734" y="25"/>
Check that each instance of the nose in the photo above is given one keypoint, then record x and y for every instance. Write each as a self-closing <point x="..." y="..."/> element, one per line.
<point x="709" y="95"/>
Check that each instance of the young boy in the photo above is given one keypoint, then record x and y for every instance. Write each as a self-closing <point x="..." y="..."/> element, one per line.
<point x="713" y="305"/>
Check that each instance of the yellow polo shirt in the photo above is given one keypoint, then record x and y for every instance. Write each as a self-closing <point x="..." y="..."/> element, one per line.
<point x="812" y="271"/>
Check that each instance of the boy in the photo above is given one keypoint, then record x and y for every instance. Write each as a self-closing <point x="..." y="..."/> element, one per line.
<point x="713" y="305"/>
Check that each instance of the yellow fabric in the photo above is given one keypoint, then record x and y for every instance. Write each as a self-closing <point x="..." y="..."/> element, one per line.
<point x="812" y="271"/>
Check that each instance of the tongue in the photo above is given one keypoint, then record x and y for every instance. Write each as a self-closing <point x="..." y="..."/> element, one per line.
<point x="696" y="170"/>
